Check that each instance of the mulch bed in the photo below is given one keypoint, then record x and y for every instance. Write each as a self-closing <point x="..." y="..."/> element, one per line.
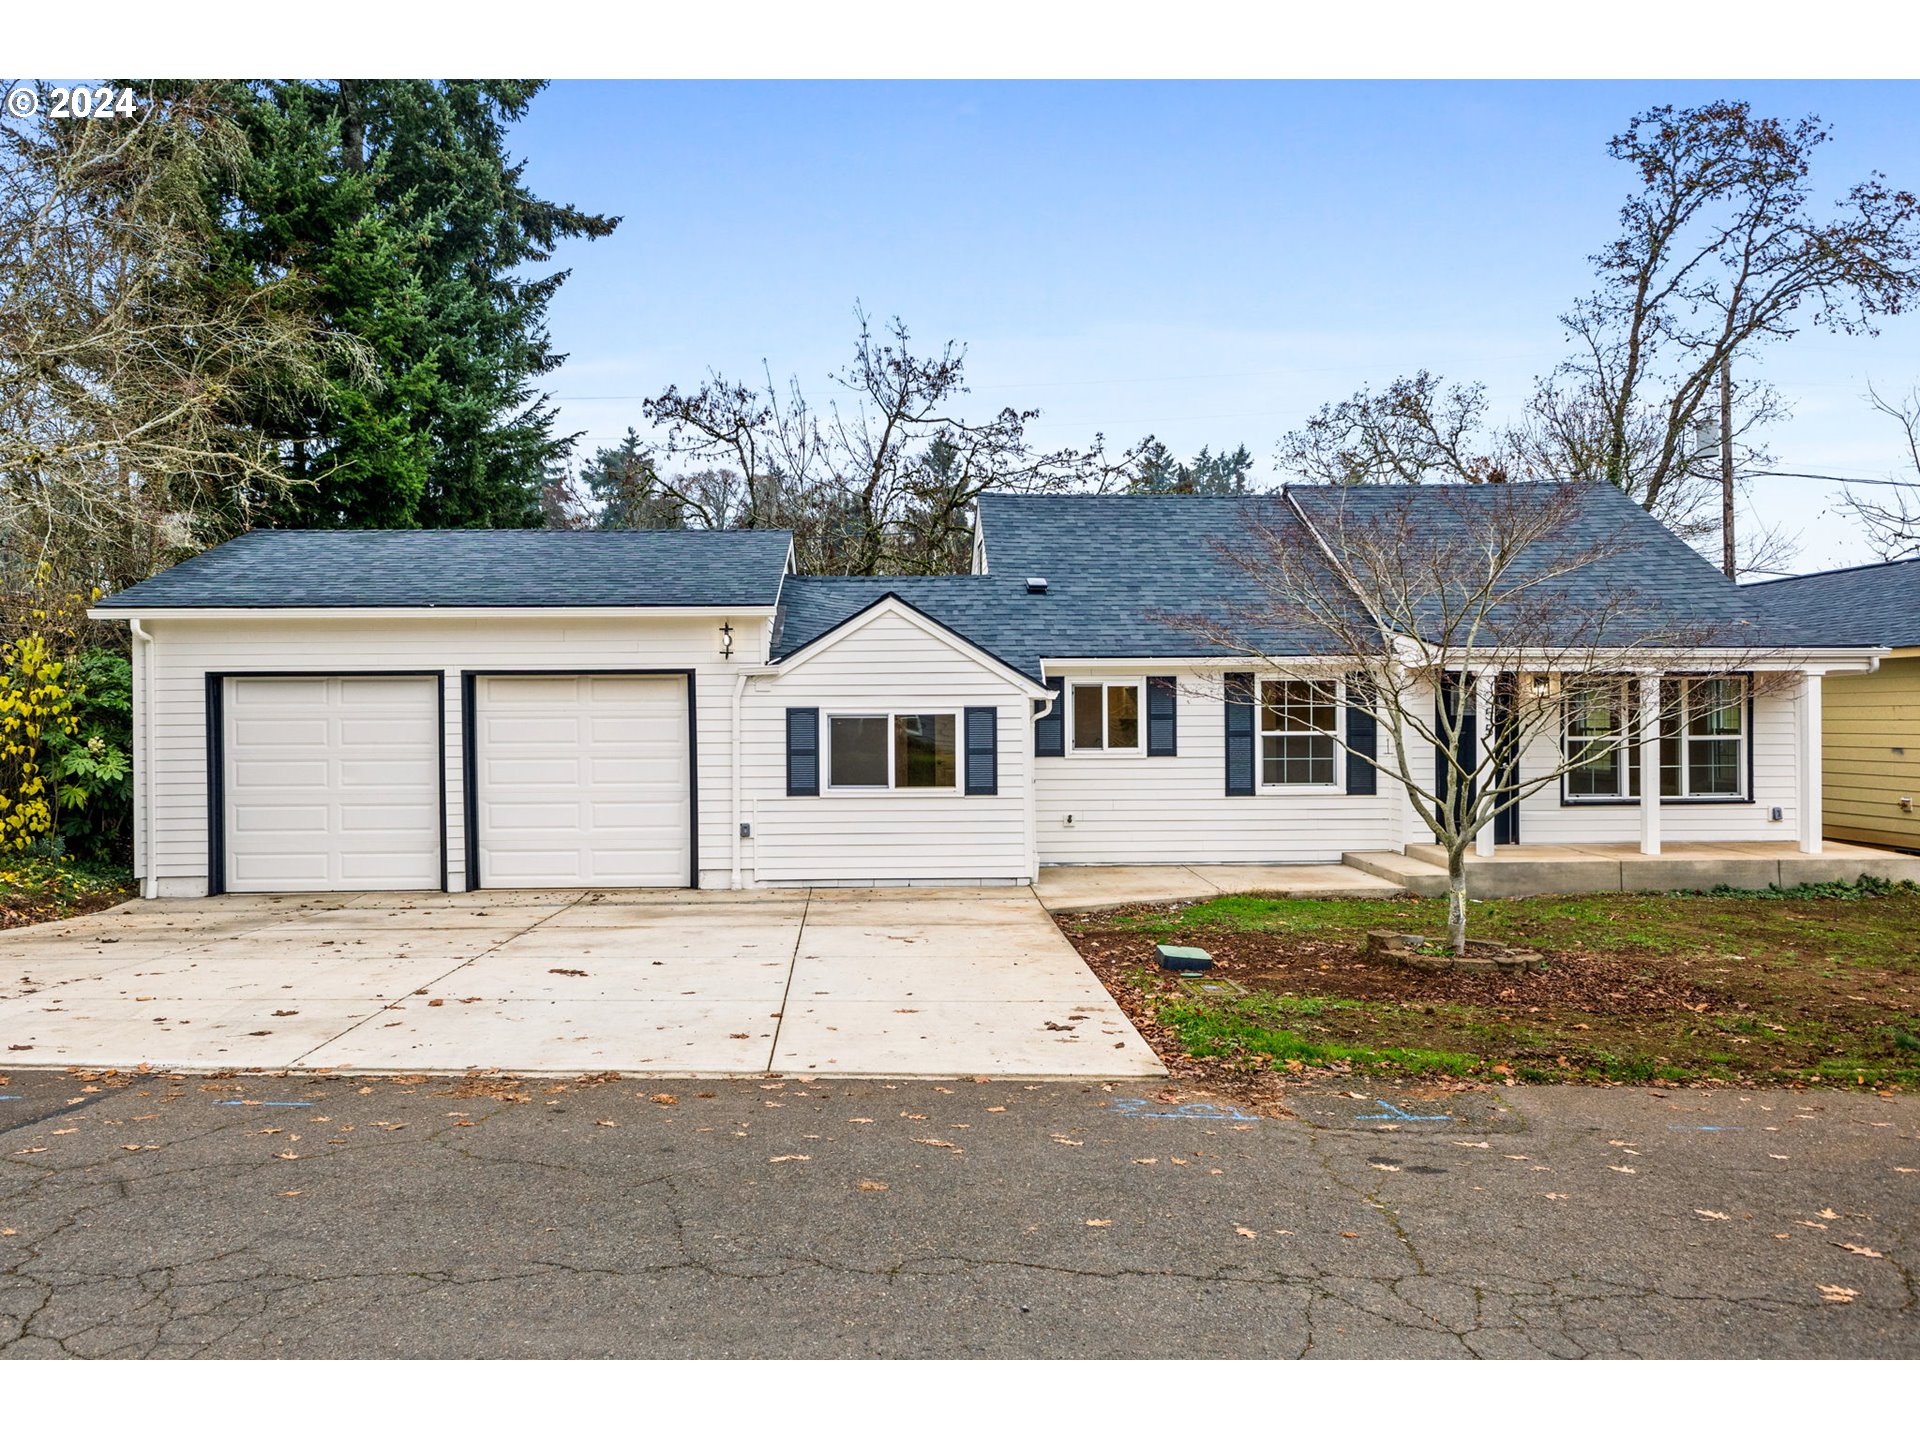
<point x="17" y="911"/>
<point x="1291" y="965"/>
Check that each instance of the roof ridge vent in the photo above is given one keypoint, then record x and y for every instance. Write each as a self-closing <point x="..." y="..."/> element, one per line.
<point x="1036" y="584"/>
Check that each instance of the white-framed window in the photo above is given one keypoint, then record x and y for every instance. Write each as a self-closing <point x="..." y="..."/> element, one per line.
<point x="1599" y="740"/>
<point x="1297" y="722"/>
<point x="905" y="750"/>
<point x="1703" y="739"/>
<point x="1106" y="717"/>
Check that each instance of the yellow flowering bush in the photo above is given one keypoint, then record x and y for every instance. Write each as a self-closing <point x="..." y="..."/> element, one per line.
<point x="36" y="711"/>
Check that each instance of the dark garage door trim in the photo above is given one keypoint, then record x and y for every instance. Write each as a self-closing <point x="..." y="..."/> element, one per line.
<point x="216" y="722"/>
<point x="470" y="761"/>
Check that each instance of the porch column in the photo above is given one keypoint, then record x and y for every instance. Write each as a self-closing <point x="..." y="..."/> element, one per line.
<point x="1650" y="763"/>
<point x="1483" y="733"/>
<point x="1809" y="754"/>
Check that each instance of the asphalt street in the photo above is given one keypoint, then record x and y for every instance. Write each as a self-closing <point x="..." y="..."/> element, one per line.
<point x="328" y="1216"/>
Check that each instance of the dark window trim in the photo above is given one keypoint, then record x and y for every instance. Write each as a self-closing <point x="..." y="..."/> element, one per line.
<point x="1604" y="802"/>
<point x="216" y="746"/>
<point x="470" y="766"/>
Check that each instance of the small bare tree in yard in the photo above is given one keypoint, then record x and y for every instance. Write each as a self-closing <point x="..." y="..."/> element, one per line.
<point x="1421" y="599"/>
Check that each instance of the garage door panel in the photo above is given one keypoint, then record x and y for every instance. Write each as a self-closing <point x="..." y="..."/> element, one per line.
<point x="583" y="780"/>
<point x="332" y="783"/>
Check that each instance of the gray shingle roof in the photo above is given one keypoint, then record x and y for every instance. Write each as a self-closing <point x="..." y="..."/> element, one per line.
<point x="1652" y="584"/>
<point x="1866" y="605"/>
<point x="481" y="568"/>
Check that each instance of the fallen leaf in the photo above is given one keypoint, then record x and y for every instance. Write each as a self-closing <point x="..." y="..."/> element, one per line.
<point x="289" y="1194"/>
<point x="872" y="1185"/>
<point x="286" y="1155"/>
<point x="1099" y="1224"/>
<point x="610" y="1124"/>
<point x="1150" y="1160"/>
<point x="1810" y="1224"/>
<point x="1063" y="1140"/>
<point x="1472" y="1144"/>
<point x="942" y="1144"/>
<point x="1243" y="1230"/>
<point x="1552" y="1195"/>
<point x="1828" y="1214"/>
<point x="996" y="1109"/>
<point x="1837" y="1294"/>
<point x="1349" y="1234"/>
<point x="432" y="1003"/>
<point x="777" y="1159"/>
<point x="1859" y="1250"/>
<point x="1624" y="1169"/>
<point x="1381" y="1165"/>
<point x="70" y="1130"/>
<point x="557" y="971"/>
<point x="859" y="1120"/>
<point x="664" y="1099"/>
<point x="1712" y="1215"/>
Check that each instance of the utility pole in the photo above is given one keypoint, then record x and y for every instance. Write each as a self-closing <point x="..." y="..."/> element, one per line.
<point x="1727" y="561"/>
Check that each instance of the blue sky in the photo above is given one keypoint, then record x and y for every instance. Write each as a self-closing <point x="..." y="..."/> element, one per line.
<point x="1206" y="261"/>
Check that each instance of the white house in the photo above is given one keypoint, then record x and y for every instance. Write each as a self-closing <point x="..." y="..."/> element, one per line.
<point x="352" y="710"/>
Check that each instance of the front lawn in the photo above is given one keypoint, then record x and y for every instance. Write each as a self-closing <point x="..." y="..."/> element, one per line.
<point x="1817" y="985"/>
<point x="36" y="889"/>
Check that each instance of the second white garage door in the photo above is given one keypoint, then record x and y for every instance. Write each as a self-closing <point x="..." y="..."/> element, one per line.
<point x="581" y="780"/>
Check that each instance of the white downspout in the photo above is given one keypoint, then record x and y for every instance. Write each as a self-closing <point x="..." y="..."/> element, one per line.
<point x="143" y="761"/>
<point x="736" y="764"/>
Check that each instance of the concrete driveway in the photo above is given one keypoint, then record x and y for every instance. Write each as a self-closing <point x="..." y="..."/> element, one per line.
<point x="841" y="982"/>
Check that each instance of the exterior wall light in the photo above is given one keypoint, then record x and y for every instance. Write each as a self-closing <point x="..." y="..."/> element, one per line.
<point x="1542" y="686"/>
<point x="726" y="640"/>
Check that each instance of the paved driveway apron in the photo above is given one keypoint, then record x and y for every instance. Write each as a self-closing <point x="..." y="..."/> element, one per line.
<point x="830" y="982"/>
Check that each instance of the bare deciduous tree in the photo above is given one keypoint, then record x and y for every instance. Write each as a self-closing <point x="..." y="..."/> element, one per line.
<point x="879" y="479"/>
<point x="1719" y="251"/>
<point x="1890" y="515"/>
<point x="133" y="371"/>
<point x="1420" y="601"/>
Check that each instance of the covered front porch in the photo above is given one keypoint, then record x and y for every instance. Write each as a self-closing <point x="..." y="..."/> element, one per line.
<point x="1509" y="870"/>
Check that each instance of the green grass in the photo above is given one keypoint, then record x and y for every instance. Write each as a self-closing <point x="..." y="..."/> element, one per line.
<point x="1818" y="984"/>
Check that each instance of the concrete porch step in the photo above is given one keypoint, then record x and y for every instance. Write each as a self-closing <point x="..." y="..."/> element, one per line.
<point x="1418" y="877"/>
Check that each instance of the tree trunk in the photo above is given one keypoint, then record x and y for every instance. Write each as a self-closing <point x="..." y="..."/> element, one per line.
<point x="1457" y="900"/>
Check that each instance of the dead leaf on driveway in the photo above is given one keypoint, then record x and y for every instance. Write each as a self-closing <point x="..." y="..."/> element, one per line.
<point x="1859" y="1250"/>
<point x="1828" y="1214"/>
<point x="558" y="971"/>
<point x="1712" y="1215"/>
<point x="1381" y="1165"/>
<point x="872" y="1185"/>
<point x="1810" y="1224"/>
<point x="1473" y="1144"/>
<point x="1837" y="1294"/>
<point x="286" y="1155"/>
<point x="1149" y="1160"/>
<point x="1099" y="1224"/>
<point x="610" y="1124"/>
<point x="777" y="1159"/>
<point x="1243" y="1230"/>
<point x="1063" y="1140"/>
<point x="940" y="1144"/>
<point x="1624" y="1169"/>
<point x="664" y="1099"/>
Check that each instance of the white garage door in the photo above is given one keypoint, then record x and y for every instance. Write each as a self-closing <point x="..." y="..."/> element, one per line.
<point x="332" y="782"/>
<point x="582" y="780"/>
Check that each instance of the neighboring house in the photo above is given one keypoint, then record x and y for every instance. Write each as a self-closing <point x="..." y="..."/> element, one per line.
<point x="418" y="709"/>
<point x="1871" y="727"/>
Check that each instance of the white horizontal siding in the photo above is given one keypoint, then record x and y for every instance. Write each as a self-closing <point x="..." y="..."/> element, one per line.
<point x="1147" y="810"/>
<point x="186" y="650"/>
<point x="890" y="663"/>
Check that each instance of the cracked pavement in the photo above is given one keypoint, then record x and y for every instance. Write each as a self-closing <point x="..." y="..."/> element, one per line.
<point x="151" y="1216"/>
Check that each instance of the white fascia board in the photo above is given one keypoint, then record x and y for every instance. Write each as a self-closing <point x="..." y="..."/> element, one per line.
<point x="893" y="605"/>
<point x="435" y="612"/>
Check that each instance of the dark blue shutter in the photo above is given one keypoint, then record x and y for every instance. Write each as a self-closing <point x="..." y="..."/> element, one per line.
<point x="1362" y="739"/>
<point x="983" y="750"/>
<point x="1050" y="733"/>
<point x="1456" y="698"/>
<point x="803" y="752"/>
<point x="1162" y="721"/>
<point x="1239" y="734"/>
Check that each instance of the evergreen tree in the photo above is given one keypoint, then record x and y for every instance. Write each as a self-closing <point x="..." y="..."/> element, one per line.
<point x="1161" y="472"/>
<point x="399" y="199"/>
